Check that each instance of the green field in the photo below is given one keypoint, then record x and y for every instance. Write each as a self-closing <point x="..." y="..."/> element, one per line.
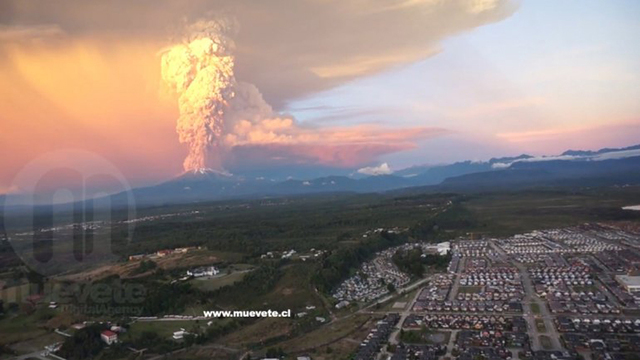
<point x="218" y="281"/>
<point x="469" y="289"/>
<point x="545" y="341"/>
<point x="166" y="328"/>
<point x="535" y="308"/>
<point x="425" y="337"/>
<point x="24" y="327"/>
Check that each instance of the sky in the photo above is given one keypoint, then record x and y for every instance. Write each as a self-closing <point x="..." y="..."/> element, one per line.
<point x="310" y="87"/>
<point x="551" y="77"/>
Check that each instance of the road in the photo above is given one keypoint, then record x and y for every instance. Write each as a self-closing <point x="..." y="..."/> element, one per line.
<point x="393" y="338"/>
<point x="403" y="290"/>
<point x="531" y="298"/>
<point x="33" y="355"/>
<point x="456" y="280"/>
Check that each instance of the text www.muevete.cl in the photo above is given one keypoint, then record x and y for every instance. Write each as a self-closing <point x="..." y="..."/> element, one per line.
<point x="246" y="313"/>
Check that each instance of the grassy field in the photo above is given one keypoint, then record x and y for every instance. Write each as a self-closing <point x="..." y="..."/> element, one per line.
<point x="545" y="341"/>
<point x="500" y="214"/>
<point x="218" y="281"/>
<point x="404" y="298"/>
<point x="166" y="328"/>
<point x="23" y="327"/>
<point x="469" y="289"/>
<point x="541" y="326"/>
<point x="37" y="343"/>
<point x="535" y="308"/>
<point x="326" y="335"/>
<point x="425" y="337"/>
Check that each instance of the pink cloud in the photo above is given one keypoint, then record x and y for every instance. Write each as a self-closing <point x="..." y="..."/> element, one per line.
<point x="340" y="147"/>
<point x="542" y="141"/>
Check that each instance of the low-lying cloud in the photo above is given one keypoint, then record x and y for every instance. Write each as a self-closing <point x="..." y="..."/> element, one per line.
<point x="382" y="169"/>
<point x="607" y="155"/>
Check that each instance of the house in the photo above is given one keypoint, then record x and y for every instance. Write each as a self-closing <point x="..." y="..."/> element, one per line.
<point x="109" y="337"/>
<point x="179" y="335"/>
<point x="203" y="271"/>
<point x="136" y="257"/>
<point x="163" y="253"/>
<point x="341" y="304"/>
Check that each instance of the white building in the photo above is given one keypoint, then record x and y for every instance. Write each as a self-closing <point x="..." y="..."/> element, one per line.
<point x="443" y="248"/>
<point x="629" y="283"/>
<point x="109" y="337"/>
<point x="179" y="335"/>
<point x="203" y="271"/>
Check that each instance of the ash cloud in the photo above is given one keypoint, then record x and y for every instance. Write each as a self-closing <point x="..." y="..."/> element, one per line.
<point x="234" y="72"/>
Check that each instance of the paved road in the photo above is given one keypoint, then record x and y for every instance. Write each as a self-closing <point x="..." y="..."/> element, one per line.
<point x="403" y="290"/>
<point x="393" y="338"/>
<point x="452" y="340"/>
<point x="456" y="280"/>
<point x="529" y="299"/>
<point x="33" y="355"/>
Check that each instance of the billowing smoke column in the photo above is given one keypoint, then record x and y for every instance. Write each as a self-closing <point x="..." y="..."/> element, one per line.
<point x="200" y="71"/>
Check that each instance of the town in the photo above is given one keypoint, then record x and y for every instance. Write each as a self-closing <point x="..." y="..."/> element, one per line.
<point x="568" y="293"/>
<point x="551" y="294"/>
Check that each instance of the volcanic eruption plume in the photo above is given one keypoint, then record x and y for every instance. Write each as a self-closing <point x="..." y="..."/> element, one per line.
<point x="220" y="116"/>
<point x="200" y="71"/>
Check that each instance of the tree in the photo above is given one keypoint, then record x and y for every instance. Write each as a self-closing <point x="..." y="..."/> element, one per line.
<point x="275" y="352"/>
<point x="84" y="344"/>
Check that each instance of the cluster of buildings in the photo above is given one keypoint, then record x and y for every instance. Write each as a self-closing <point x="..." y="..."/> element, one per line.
<point x="162" y="253"/>
<point x="418" y="352"/>
<point x="603" y="346"/>
<point x="373" y="278"/>
<point x="550" y="277"/>
<point x="378" y="336"/>
<point x="293" y="254"/>
<point x="580" y="303"/>
<point x="160" y="217"/>
<point x="472" y="248"/>
<point x="442" y="248"/>
<point x="540" y="259"/>
<point x="573" y="240"/>
<point x="394" y="230"/>
<point x="494" y="276"/>
<point x="492" y="284"/>
<point x="618" y="262"/>
<point x="598" y="325"/>
<point x="203" y="271"/>
<point x="489" y="344"/>
<point x="628" y="299"/>
<point x="437" y="290"/>
<point x="466" y="322"/>
<point x="488" y="306"/>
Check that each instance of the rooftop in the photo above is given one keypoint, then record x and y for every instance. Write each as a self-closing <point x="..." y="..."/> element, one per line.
<point x="629" y="280"/>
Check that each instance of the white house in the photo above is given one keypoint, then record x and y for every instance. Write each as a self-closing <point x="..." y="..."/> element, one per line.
<point x="203" y="271"/>
<point x="179" y="335"/>
<point x="109" y="337"/>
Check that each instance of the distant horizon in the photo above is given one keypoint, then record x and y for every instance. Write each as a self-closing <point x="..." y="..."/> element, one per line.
<point x="368" y="171"/>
